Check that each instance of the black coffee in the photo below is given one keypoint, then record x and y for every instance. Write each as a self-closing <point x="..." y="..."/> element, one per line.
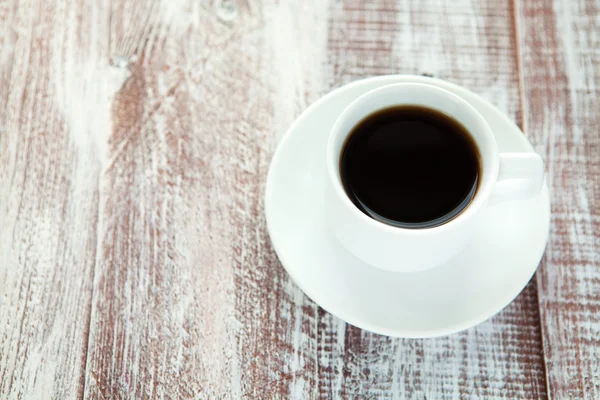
<point x="410" y="166"/>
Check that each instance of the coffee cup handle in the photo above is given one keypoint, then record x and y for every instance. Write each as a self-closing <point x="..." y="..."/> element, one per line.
<point x="521" y="176"/>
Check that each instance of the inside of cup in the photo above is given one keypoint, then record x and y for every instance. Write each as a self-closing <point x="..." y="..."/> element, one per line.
<point x="426" y="98"/>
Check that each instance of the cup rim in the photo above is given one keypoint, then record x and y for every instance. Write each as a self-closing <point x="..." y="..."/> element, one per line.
<point x="487" y="181"/>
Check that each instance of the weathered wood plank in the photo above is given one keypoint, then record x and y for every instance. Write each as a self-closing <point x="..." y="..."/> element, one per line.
<point x="134" y="143"/>
<point x="469" y="43"/>
<point x="55" y="87"/>
<point x="189" y="301"/>
<point x="560" y="56"/>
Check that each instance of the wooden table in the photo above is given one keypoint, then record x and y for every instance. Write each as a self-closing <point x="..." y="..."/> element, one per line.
<point x="135" y="137"/>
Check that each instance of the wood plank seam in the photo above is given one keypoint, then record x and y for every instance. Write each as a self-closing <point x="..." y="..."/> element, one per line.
<point x="524" y="110"/>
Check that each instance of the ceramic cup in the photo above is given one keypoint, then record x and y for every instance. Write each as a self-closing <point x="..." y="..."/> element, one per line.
<point x="504" y="177"/>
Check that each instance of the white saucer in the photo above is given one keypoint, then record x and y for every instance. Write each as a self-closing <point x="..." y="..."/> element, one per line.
<point x="477" y="284"/>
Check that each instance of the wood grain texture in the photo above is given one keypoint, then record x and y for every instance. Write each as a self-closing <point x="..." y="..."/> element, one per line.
<point x="135" y="138"/>
<point x="54" y="97"/>
<point x="560" y="50"/>
<point x="469" y="43"/>
<point x="189" y="300"/>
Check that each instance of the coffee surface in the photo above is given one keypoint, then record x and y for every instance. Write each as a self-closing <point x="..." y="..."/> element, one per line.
<point x="410" y="166"/>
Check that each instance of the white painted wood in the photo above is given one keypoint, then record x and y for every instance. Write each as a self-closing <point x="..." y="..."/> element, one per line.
<point x="134" y="142"/>
<point x="55" y="87"/>
<point x="561" y="79"/>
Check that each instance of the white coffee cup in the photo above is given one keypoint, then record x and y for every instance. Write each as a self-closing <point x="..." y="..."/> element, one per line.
<point x="504" y="176"/>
